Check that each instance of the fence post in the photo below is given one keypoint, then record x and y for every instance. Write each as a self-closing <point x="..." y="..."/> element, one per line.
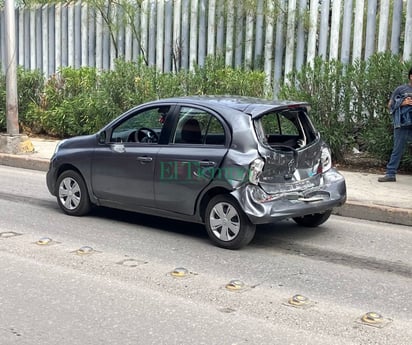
<point x="177" y="42"/>
<point x="249" y="34"/>
<point x="91" y="46"/>
<point x="168" y="42"/>
<point x="202" y="33"/>
<point x="51" y="51"/>
<point x="396" y="26"/>
<point x="300" y="39"/>
<point x="211" y="27"/>
<point x="27" y="43"/>
<point x="194" y="29"/>
<point x="239" y="37"/>
<point x="358" y="28"/>
<point x="85" y="36"/>
<point x="77" y="35"/>
<point x="383" y="25"/>
<point x="279" y="47"/>
<point x="160" y="34"/>
<point x="258" y="54"/>
<point x="335" y="30"/>
<point x="324" y="29"/>
<point x="38" y="39"/>
<point x="45" y="39"/>
<point x="290" y="37"/>
<point x="268" y="55"/>
<point x="58" y="36"/>
<point x="314" y="9"/>
<point x="346" y="32"/>
<point x="70" y="35"/>
<point x="229" y="32"/>
<point x="370" y="28"/>
<point x="20" y="38"/>
<point x="407" y="48"/>
<point x="184" y="42"/>
<point x="220" y="29"/>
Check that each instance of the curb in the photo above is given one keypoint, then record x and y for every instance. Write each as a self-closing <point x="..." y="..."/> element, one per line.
<point x="24" y="162"/>
<point x="376" y="213"/>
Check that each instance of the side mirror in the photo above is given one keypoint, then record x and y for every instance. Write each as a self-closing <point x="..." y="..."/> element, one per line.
<point x="101" y="137"/>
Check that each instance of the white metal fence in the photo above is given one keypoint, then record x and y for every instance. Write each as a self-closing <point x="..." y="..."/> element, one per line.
<point x="277" y="36"/>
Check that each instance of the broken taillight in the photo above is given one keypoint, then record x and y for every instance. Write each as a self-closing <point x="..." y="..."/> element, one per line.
<point x="255" y="170"/>
<point x="325" y="160"/>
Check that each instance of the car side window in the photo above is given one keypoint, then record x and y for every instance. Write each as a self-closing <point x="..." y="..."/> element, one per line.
<point x="196" y="126"/>
<point x="142" y="127"/>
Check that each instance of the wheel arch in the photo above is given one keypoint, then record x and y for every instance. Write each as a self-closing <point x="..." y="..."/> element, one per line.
<point x="69" y="166"/>
<point x="207" y="197"/>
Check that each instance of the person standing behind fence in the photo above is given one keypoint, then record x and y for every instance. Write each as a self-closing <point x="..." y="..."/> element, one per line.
<point x="400" y="107"/>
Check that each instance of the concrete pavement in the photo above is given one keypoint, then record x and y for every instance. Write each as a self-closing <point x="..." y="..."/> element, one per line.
<point x="367" y="198"/>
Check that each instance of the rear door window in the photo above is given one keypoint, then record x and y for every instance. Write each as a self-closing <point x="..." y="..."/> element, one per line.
<point x="197" y="126"/>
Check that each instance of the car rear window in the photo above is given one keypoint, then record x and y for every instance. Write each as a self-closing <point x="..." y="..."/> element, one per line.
<point x="197" y="126"/>
<point x="289" y="127"/>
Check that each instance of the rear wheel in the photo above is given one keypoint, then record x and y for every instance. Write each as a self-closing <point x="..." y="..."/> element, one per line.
<point x="72" y="195"/>
<point x="226" y="223"/>
<point x="313" y="220"/>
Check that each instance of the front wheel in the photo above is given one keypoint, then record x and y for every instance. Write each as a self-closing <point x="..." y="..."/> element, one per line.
<point x="313" y="220"/>
<point x="72" y="195"/>
<point x="226" y="223"/>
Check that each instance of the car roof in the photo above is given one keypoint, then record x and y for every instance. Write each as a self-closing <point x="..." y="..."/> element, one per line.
<point x="249" y="105"/>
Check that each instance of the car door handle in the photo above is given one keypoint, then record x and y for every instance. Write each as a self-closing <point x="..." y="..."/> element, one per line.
<point x="144" y="159"/>
<point x="207" y="163"/>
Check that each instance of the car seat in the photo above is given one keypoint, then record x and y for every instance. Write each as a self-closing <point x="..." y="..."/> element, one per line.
<point x="191" y="132"/>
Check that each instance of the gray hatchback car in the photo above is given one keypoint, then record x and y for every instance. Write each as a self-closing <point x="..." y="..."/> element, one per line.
<point x="227" y="162"/>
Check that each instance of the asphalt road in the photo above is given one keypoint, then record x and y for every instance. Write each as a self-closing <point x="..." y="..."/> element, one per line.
<point x="123" y="293"/>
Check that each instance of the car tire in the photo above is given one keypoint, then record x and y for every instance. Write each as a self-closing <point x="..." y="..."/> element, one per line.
<point x="72" y="195"/>
<point x="313" y="220"/>
<point x="226" y="223"/>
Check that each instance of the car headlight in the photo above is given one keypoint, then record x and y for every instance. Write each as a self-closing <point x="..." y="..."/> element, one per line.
<point x="255" y="170"/>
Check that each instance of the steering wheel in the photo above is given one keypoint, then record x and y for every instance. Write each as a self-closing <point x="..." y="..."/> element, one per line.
<point x="146" y="135"/>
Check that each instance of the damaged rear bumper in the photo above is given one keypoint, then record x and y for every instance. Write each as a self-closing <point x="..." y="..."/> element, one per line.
<point x="262" y="208"/>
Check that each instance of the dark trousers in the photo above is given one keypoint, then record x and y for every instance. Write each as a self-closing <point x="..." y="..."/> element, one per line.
<point x="401" y="136"/>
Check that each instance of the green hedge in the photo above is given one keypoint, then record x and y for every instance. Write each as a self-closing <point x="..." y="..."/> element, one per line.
<point x="349" y="102"/>
<point x="30" y="88"/>
<point x="81" y="101"/>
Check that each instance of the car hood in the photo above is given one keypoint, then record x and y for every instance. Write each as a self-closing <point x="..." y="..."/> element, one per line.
<point x="78" y="142"/>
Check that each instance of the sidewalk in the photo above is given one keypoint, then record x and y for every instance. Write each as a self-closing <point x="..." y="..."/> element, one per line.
<point x="367" y="198"/>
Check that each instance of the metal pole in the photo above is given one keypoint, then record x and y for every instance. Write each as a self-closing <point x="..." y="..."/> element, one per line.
<point x="11" y="69"/>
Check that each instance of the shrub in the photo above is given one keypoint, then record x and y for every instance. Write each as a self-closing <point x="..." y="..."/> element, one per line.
<point x="65" y="105"/>
<point x="349" y="102"/>
<point x="324" y="88"/>
<point x="30" y="86"/>
<point x="29" y="89"/>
